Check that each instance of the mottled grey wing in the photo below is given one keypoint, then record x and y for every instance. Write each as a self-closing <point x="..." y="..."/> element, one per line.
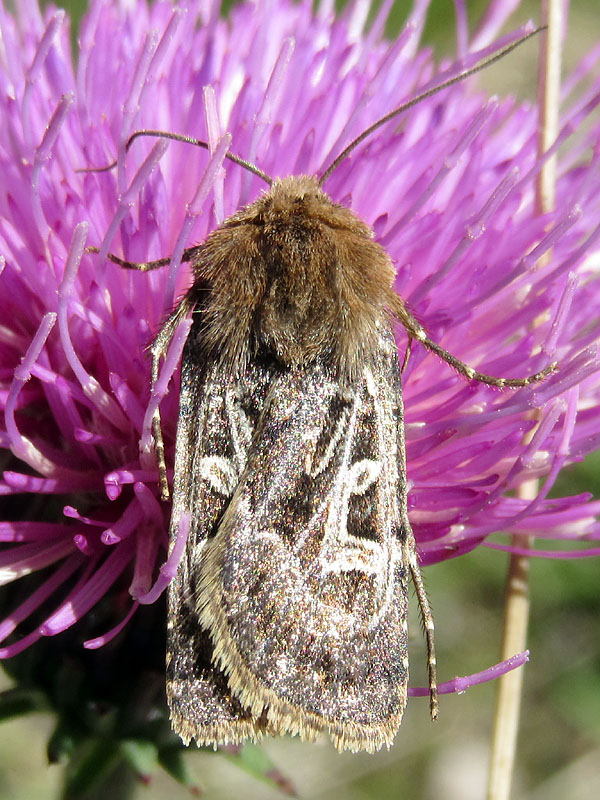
<point x="217" y="416"/>
<point x="303" y="589"/>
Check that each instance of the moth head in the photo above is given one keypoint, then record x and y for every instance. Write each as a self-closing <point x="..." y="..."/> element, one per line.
<point x="297" y="277"/>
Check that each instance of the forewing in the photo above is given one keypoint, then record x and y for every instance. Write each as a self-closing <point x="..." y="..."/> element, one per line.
<point x="217" y="417"/>
<point x="304" y="587"/>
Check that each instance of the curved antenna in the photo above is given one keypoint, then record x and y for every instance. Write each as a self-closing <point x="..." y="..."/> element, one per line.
<point x="423" y="96"/>
<point x="178" y="137"/>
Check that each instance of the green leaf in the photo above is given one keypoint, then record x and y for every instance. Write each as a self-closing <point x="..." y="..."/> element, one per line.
<point x="18" y="701"/>
<point x="141" y="754"/>
<point x="61" y="743"/>
<point x="258" y="764"/>
<point x="172" y="760"/>
<point x="91" y="764"/>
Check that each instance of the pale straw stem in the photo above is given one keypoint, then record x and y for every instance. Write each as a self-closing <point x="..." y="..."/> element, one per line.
<point x="516" y="597"/>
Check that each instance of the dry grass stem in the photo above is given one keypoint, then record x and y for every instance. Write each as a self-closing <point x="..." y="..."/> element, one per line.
<point x="516" y="603"/>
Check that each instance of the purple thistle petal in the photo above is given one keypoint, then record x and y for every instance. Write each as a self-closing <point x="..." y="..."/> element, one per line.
<point x="161" y="388"/>
<point x="129" y="194"/>
<point x="100" y="641"/>
<point x="145" y="565"/>
<point x="28" y="558"/>
<point x="525" y="551"/>
<point x="102" y="402"/>
<point x="22" y="644"/>
<point x="460" y="685"/>
<point x="193" y="211"/>
<point x="87" y="593"/>
<point x="126" y="524"/>
<point x="31" y="531"/>
<point x="497" y="13"/>
<point x="40" y="595"/>
<point x="169" y="568"/>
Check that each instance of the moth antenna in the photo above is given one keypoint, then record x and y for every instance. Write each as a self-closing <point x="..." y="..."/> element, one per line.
<point x="481" y="65"/>
<point x="179" y="137"/>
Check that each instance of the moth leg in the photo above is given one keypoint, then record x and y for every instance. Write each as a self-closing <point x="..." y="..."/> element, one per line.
<point x="158" y="350"/>
<point x="159" y="444"/>
<point x="406" y="354"/>
<point x="427" y="617"/>
<point x="416" y="331"/>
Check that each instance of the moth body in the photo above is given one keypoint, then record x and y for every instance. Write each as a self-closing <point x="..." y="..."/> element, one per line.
<point x="288" y="612"/>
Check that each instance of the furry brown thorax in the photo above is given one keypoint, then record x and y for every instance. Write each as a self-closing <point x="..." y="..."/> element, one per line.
<point x="295" y="276"/>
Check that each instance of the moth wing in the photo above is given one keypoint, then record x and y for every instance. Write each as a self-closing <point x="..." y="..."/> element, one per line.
<point x="217" y="416"/>
<point x="304" y="586"/>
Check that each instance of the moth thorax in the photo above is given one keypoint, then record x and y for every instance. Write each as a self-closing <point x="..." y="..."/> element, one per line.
<point x="326" y="280"/>
<point x="294" y="276"/>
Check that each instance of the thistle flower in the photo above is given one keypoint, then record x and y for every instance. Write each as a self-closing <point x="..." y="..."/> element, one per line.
<point x="448" y="189"/>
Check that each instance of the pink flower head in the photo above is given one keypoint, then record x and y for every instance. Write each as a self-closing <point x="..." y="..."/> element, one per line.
<point x="448" y="189"/>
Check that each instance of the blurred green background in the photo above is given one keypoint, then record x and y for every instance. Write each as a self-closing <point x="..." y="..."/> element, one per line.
<point x="559" y="745"/>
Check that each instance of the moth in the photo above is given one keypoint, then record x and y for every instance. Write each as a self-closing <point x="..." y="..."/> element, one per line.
<point x="288" y="613"/>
